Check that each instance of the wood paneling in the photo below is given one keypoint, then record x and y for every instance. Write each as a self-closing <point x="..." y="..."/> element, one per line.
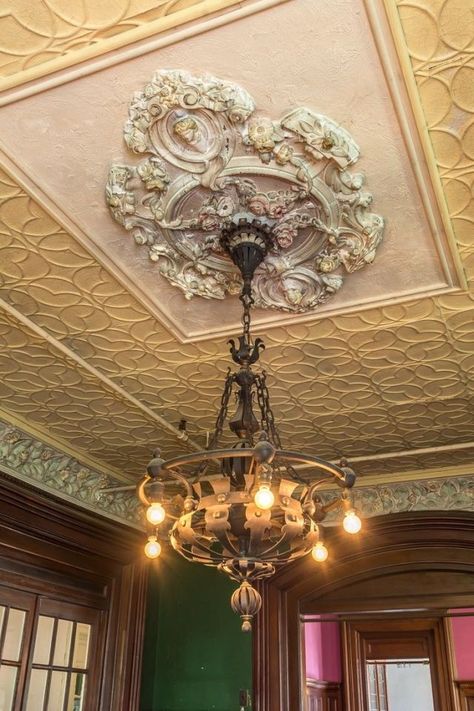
<point x="466" y="694"/>
<point x="323" y="696"/>
<point x="59" y="551"/>
<point x="405" y="561"/>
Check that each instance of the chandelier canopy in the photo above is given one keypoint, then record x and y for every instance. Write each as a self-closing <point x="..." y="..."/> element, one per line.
<point x="244" y="509"/>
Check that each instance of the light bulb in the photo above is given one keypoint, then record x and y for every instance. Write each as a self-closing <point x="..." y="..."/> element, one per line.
<point x="352" y="523"/>
<point x="152" y="548"/>
<point x="320" y="552"/>
<point x="155" y="514"/>
<point x="264" y="498"/>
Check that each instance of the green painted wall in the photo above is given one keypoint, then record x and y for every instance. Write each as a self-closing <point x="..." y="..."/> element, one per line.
<point x="195" y="656"/>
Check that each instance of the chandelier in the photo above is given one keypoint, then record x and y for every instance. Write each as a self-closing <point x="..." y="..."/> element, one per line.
<point x="244" y="509"/>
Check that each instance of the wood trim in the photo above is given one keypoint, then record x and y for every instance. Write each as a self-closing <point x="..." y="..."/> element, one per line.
<point x="425" y="637"/>
<point x="437" y="544"/>
<point x="48" y="547"/>
<point x="323" y="695"/>
<point x="466" y="695"/>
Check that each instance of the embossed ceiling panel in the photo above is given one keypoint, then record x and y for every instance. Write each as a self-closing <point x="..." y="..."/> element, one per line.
<point x="51" y="391"/>
<point x="65" y="139"/>
<point x="42" y="36"/>
<point x="83" y="358"/>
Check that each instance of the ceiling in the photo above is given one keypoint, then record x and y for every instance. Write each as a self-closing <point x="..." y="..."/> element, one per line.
<point x="100" y="360"/>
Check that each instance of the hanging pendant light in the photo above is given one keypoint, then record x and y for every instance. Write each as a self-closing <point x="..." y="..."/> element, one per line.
<point x="243" y="509"/>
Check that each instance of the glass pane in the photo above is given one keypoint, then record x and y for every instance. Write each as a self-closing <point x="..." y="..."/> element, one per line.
<point x="56" y="691"/>
<point x="409" y="687"/>
<point x="44" y="634"/>
<point x="7" y="687"/>
<point x="81" y="646"/>
<point x="63" y="643"/>
<point x="14" y="635"/>
<point x="36" y="689"/>
<point x="77" y="692"/>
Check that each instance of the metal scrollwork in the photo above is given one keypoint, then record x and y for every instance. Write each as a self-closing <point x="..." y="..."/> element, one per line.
<point x="207" y="158"/>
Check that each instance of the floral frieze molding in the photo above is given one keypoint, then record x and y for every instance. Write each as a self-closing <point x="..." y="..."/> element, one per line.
<point x="207" y="157"/>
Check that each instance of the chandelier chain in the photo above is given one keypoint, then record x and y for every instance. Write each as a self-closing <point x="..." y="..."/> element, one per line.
<point x="223" y="408"/>
<point x="247" y="301"/>
<point x="268" y="419"/>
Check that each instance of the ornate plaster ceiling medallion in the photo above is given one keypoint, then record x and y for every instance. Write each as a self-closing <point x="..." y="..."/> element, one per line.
<point x="209" y="159"/>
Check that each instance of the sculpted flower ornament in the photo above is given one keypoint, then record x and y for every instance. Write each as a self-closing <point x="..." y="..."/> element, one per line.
<point x="207" y="158"/>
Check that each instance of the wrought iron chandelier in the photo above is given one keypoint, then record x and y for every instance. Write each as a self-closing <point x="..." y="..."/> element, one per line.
<point x="243" y="509"/>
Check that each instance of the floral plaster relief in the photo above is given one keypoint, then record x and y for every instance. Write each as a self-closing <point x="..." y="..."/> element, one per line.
<point x="65" y="139"/>
<point x="320" y="218"/>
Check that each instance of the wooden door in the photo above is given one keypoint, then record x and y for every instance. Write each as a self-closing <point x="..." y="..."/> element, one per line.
<point x="385" y="641"/>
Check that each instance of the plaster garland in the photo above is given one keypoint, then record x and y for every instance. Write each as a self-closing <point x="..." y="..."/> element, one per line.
<point x="207" y="157"/>
<point x="49" y="469"/>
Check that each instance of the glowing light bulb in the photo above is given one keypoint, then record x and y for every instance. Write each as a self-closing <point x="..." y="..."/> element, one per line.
<point x="352" y="523"/>
<point x="155" y="514"/>
<point x="264" y="498"/>
<point x="152" y="548"/>
<point x="320" y="552"/>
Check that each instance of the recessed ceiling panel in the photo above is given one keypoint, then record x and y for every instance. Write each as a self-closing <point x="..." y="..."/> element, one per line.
<point x="319" y="55"/>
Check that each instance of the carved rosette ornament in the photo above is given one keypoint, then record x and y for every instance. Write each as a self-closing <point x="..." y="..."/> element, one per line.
<point x="206" y="158"/>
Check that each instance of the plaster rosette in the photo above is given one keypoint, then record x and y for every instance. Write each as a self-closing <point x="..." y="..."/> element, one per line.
<point x="204" y="157"/>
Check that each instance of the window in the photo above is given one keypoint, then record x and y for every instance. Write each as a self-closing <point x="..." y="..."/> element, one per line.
<point x="377" y="683"/>
<point x="46" y="653"/>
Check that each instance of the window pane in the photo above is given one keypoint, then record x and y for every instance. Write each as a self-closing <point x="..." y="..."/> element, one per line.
<point x="63" y="643"/>
<point x="36" y="689"/>
<point x="77" y="692"/>
<point x="7" y="687"/>
<point x="56" y="691"/>
<point x="81" y="646"/>
<point x="44" y="634"/>
<point x="14" y="635"/>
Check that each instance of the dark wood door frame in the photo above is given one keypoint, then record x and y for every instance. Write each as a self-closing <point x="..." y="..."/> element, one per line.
<point x="432" y="551"/>
<point x="427" y="637"/>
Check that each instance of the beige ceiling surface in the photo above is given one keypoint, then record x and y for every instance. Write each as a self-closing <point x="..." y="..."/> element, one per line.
<point x="82" y="359"/>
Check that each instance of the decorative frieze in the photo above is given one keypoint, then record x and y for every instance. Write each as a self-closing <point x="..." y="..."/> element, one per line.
<point x="63" y="475"/>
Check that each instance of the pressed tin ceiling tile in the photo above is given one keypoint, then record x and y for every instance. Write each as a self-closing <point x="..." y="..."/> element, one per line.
<point x="377" y="380"/>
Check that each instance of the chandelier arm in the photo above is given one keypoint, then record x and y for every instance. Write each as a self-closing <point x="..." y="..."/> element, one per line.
<point x="314" y="487"/>
<point x="141" y="489"/>
<point x="341" y="477"/>
<point x="344" y="479"/>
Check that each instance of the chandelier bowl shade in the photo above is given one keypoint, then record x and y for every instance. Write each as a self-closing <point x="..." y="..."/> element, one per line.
<point x="221" y="525"/>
